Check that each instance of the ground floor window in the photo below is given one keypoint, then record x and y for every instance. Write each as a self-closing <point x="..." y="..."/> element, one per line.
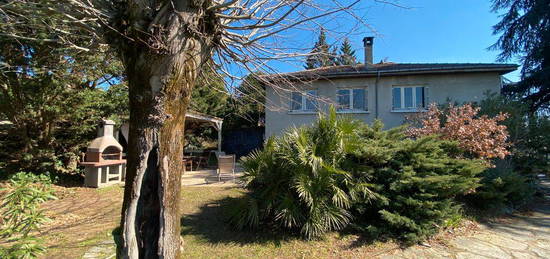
<point x="304" y="101"/>
<point x="352" y="99"/>
<point x="409" y="98"/>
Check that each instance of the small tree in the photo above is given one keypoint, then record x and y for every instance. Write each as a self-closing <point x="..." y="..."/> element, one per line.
<point x="347" y="54"/>
<point x="480" y="136"/>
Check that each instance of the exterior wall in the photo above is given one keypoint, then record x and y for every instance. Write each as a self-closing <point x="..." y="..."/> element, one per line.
<point x="464" y="87"/>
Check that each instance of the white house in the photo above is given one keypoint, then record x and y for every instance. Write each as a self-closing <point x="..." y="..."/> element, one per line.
<point x="386" y="91"/>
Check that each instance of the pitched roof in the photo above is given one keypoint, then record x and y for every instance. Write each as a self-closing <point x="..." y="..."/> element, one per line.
<point x="390" y="69"/>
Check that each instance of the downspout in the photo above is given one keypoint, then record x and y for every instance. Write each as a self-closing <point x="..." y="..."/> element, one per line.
<point x="376" y="95"/>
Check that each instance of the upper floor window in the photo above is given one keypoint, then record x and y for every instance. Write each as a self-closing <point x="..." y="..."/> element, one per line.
<point x="409" y="98"/>
<point x="352" y="99"/>
<point x="304" y="101"/>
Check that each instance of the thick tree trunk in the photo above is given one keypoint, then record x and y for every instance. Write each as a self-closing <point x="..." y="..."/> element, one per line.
<point x="160" y="83"/>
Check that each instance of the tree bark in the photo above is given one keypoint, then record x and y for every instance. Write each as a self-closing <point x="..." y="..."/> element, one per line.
<point x="161" y="73"/>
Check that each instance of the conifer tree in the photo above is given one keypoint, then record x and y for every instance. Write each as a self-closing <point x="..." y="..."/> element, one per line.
<point x="347" y="54"/>
<point x="525" y="33"/>
<point x="321" y="55"/>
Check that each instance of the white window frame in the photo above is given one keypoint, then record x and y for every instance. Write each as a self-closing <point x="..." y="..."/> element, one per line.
<point x="303" y="102"/>
<point x="352" y="109"/>
<point x="402" y="95"/>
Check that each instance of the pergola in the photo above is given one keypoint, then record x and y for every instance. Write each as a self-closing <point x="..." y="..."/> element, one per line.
<point x="194" y="118"/>
<point x="199" y="118"/>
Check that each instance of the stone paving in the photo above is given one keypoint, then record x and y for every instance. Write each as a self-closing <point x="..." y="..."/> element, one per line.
<point x="523" y="236"/>
<point x="104" y="250"/>
<point x="209" y="178"/>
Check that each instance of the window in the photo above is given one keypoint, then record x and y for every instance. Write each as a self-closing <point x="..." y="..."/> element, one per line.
<point x="409" y="98"/>
<point x="304" y="101"/>
<point x="351" y="99"/>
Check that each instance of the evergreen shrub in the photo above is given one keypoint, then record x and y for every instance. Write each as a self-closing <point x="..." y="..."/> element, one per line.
<point x="416" y="182"/>
<point x="502" y="187"/>
<point x="340" y="172"/>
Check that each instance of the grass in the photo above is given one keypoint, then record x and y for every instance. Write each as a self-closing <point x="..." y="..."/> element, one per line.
<point x="207" y="234"/>
<point x="85" y="217"/>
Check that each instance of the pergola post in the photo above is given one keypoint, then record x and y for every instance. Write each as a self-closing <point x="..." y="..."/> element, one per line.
<point x="219" y="128"/>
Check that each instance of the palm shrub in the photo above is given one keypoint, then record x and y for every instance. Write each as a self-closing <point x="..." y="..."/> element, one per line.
<point x="297" y="183"/>
<point x="416" y="181"/>
<point x="339" y="172"/>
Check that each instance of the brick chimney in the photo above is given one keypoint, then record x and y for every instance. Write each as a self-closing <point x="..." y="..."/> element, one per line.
<point x="368" y="42"/>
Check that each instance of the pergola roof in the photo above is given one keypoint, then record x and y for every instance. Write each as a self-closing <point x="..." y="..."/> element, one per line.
<point x="192" y="117"/>
<point x="197" y="116"/>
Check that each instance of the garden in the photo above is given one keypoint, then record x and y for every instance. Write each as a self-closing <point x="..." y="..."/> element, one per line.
<point x="339" y="187"/>
<point x="336" y="187"/>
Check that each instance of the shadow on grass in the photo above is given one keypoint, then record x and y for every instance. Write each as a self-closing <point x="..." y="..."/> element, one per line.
<point x="211" y="223"/>
<point x="117" y="237"/>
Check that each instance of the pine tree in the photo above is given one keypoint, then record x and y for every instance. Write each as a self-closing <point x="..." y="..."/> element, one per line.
<point x="525" y="33"/>
<point x="347" y="54"/>
<point x="321" y="55"/>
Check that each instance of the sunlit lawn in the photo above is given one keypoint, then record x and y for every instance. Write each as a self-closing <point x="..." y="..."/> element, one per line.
<point x="85" y="217"/>
<point x="207" y="234"/>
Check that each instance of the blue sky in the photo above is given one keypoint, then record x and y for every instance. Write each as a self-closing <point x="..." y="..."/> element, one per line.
<point x="431" y="31"/>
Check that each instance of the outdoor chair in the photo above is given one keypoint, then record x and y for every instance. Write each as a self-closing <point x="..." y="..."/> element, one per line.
<point x="226" y="165"/>
<point x="187" y="162"/>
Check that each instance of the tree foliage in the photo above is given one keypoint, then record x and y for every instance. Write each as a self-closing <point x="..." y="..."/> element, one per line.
<point x="347" y="54"/>
<point x="525" y="32"/>
<point x="322" y="55"/>
<point x="209" y="95"/>
<point x="480" y="136"/>
<point x="340" y="172"/>
<point x="529" y="139"/>
<point x="50" y="92"/>
<point x="247" y="104"/>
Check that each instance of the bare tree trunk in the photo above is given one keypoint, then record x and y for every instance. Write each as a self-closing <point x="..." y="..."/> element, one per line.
<point x="160" y="83"/>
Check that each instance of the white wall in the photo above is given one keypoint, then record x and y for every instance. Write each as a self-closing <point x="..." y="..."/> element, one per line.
<point x="464" y="87"/>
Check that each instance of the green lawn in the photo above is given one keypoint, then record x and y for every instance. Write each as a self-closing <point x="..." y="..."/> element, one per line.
<point x="85" y="217"/>
<point x="207" y="234"/>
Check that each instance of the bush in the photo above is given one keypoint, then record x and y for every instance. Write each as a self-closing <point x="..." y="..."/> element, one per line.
<point x="21" y="214"/>
<point x="480" y="136"/>
<point x="502" y="187"/>
<point x="416" y="183"/>
<point x="297" y="183"/>
<point x="530" y="151"/>
<point x="339" y="171"/>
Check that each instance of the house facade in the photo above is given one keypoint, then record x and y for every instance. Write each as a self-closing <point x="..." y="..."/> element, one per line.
<point x="385" y="91"/>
